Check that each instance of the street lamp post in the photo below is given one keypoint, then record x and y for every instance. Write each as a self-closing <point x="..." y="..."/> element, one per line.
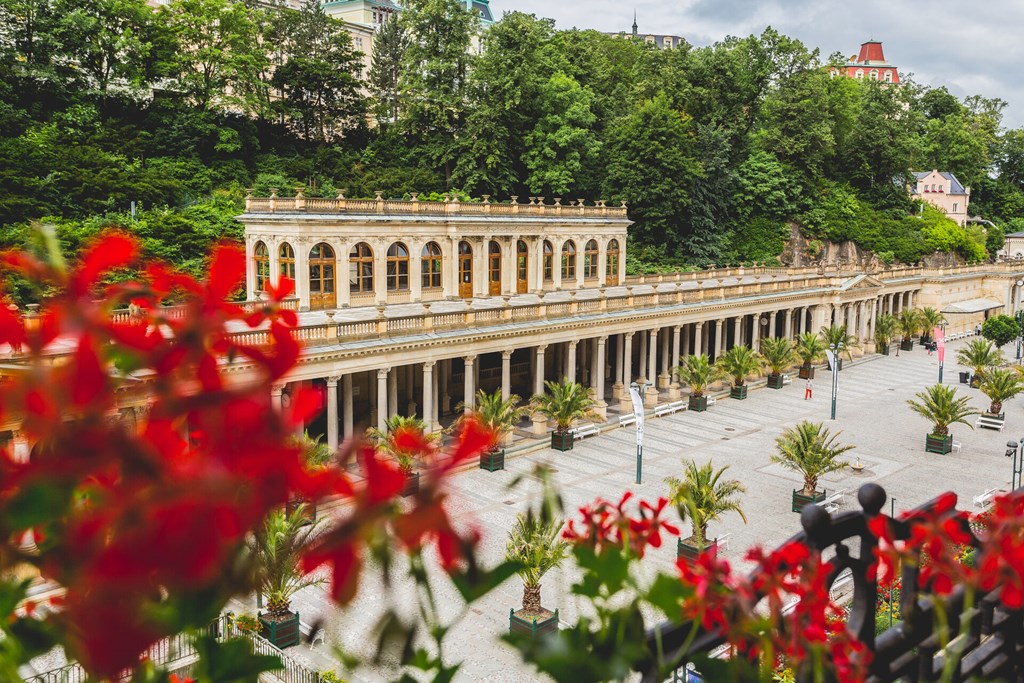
<point x="836" y="349"/>
<point x="636" y="392"/>
<point x="1015" y="450"/>
<point x="942" y="349"/>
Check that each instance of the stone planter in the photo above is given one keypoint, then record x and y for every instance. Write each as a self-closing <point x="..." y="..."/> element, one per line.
<point x="907" y="345"/>
<point x="283" y="631"/>
<point x="493" y="460"/>
<point x="937" y="443"/>
<point x="686" y="551"/>
<point x="806" y="372"/>
<point x="800" y="501"/>
<point x="738" y="393"/>
<point x="775" y="381"/>
<point x="532" y="626"/>
<point x="412" y="485"/>
<point x="698" y="403"/>
<point x="562" y="441"/>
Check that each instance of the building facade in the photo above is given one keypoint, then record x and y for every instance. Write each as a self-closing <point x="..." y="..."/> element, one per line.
<point x="660" y="40"/>
<point x="942" y="190"/>
<point x="869" y="63"/>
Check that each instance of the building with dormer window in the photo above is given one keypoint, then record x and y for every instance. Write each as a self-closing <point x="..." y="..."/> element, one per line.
<point x="869" y="63"/>
<point x="942" y="190"/>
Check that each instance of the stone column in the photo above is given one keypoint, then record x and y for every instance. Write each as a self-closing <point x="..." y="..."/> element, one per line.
<point x="910" y="299"/>
<point x="346" y="407"/>
<point x="698" y="338"/>
<point x="755" y="331"/>
<point x="332" y="412"/>
<point x="436" y="389"/>
<point x="787" y="323"/>
<point x="737" y="330"/>
<point x="719" y="326"/>
<point x="862" y="328"/>
<point x="570" y="361"/>
<point x="538" y="377"/>
<point x="625" y="402"/>
<point x="444" y="373"/>
<point x="664" y="378"/>
<point x="617" y="387"/>
<point x="276" y="391"/>
<point x="651" y="395"/>
<point x="469" y="385"/>
<point x="642" y="378"/>
<point x="851" y="319"/>
<point x="673" y="385"/>
<point x="685" y="348"/>
<point x="428" y="394"/>
<point x="382" y="398"/>
<point x="410" y="391"/>
<point x="506" y="375"/>
<point x="597" y="373"/>
<point x="393" y="392"/>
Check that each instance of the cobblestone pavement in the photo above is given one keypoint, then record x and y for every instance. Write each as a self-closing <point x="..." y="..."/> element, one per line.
<point x="872" y="414"/>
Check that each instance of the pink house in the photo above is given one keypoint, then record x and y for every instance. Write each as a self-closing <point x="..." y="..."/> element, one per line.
<point x="942" y="190"/>
<point x="869" y="63"/>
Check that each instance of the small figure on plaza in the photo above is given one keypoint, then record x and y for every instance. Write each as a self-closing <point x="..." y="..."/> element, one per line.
<point x="808" y="389"/>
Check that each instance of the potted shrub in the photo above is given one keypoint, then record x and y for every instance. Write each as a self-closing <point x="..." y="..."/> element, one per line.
<point x="908" y="323"/>
<point x="778" y="355"/>
<point x="837" y="336"/>
<point x="702" y="497"/>
<point x="501" y="416"/>
<point x="697" y="372"/>
<point x="1000" y="329"/>
<point x="885" y="329"/>
<point x="564" y="403"/>
<point x="739" y="362"/>
<point x="940" y="405"/>
<point x="536" y="546"/>
<point x="811" y="450"/>
<point x="390" y="442"/>
<point x="810" y="350"/>
<point x="1000" y="385"/>
<point x="979" y="355"/>
<point x="316" y="455"/>
<point x="277" y="549"/>
<point x="929" y="319"/>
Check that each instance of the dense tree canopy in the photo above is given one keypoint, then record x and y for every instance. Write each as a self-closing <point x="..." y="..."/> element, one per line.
<point x="719" y="151"/>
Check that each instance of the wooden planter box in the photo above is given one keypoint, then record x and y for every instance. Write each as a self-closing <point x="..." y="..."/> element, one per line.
<point x="738" y="393"/>
<point x="907" y="345"/>
<point x="698" y="403"/>
<point x="412" y="485"/>
<point x="282" y="633"/>
<point x="806" y="372"/>
<point x="965" y="377"/>
<point x="934" y="443"/>
<point x="493" y="460"/>
<point x="884" y="350"/>
<point x="775" y="381"/>
<point x="690" y="553"/>
<point x="532" y="627"/>
<point x="562" y="441"/>
<point x="800" y="501"/>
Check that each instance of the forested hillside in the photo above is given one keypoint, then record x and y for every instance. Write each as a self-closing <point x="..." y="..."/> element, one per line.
<point x="716" y="149"/>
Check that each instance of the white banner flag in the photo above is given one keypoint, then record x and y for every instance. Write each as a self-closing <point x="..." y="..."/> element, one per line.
<point x="638" y="413"/>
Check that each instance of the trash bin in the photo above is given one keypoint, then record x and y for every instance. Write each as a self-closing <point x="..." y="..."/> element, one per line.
<point x="965" y="377"/>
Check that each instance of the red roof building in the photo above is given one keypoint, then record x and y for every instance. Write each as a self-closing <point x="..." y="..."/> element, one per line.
<point x="870" y="63"/>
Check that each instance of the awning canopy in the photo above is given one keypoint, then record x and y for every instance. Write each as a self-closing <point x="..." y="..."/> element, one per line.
<point x="973" y="306"/>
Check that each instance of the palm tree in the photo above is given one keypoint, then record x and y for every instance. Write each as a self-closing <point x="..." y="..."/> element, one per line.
<point x="837" y="336"/>
<point x="703" y="497"/>
<point x="739" y="362"/>
<point x="1000" y="385"/>
<point x="940" y="405"/>
<point x="809" y="448"/>
<point x="697" y="372"/>
<point x="277" y="548"/>
<point x="315" y="452"/>
<point x="929" y="319"/>
<point x="500" y="415"/>
<point x="385" y="440"/>
<point x="565" y="402"/>
<point x="810" y="349"/>
<point x="885" y="328"/>
<point x="778" y="353"/>
<point x="979" y="355"/>
<point x="908" y="323"/>
<point x="537" y="547"/>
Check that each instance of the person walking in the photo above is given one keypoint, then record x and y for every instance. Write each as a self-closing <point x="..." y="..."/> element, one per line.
<point x="808" y="389"/>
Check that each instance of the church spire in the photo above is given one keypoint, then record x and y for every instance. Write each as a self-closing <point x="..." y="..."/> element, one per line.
<point x="635" y="27"/>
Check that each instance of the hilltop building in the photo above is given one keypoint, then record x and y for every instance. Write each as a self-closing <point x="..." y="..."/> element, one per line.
<point x="869" y="63"/>
<point x="942" y="190"/>
<point x="659" y="40"/>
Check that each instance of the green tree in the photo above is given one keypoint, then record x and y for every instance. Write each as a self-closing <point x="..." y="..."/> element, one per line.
<point x="811" y="450"/>
<point x="702" y="496"/>
<point x="277" y="550"/>
<point x="778" y="353"/>
<point x="562" y="147"/>
<point x="810" y="348"/>
<point x="389" y="44"/>
<point x="501" y="415"/>
<point x="838" y="335"/>
<point x="979" y="355"/>
<point x="535" y="545"/>
<point x="940" y="405"/>
<point x="565" y="402"/>
<point x="1000" y="385"/>
<point x="697" y="372"/>
<point x="739" y="362"/>
<point x="885" y="329"/>
<point x="1000" y="330"/>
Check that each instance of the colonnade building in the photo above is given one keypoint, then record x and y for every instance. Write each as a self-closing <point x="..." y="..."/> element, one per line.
<point x="408" y="307"/>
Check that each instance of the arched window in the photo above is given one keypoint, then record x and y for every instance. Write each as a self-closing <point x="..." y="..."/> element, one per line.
<point x="611" y="272"/>
<point x="522" y="267"/>
<point x="360" y="269"/>
<point x="568" y="260"/>
<point x="287" y="260"/>
<point x="465" y="270"/>
<point x="262" y="258"/>
<point x="888" y="77"/>
<point x="398" y="267"/>
<point x="430" y="266"/>
<point x="321" y="277"/>
<point x="859" y="74"/>
<point x="494" y="268"/>
<point x="874" y="74"/>
<point x="590" y="259"/>
<point x="549" y="262"/>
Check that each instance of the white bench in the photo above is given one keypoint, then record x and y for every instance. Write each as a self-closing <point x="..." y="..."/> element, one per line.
<point x="985" y="499"/>
<point x="957" y="446"/>
<point x="627" y="419"/>
<point x="712" y="400"/>
<point x="786" y="379"/>
<point x="584" y="430"/>
<point x="723" y="541"/>
<point x="838" y="587"/>
<point x="668" y="408"/>
<point x="307" y="629"/>
<point x="834" y="502"/>
<point x="989" y="423"/>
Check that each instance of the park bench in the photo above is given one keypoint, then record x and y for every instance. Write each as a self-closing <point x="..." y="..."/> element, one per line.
<point x="723" y="541"/>
<point x="668" y="408"/>
<point x="712" y="400"/>
<point x="317" y="632"/>
<point x="989" y="423"/>
<point x="584" y="430"/>
<point x="983" y="500"/>
<point x="627" y="419"/>
<point x="834" y="502"/>
<point x="786" y="379"/>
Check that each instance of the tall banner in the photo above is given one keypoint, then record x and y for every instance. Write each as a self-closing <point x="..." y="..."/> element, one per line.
<point x="638" y="413"/>
<point x="940" y="343"/>
<point x="831" y="357"/>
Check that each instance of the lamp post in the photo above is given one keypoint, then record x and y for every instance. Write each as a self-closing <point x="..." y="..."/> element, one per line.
<point x="1019" y="317"/>
<point x="1014" y="450"/>
<point x="941" y="343"/>
<point x="836" y="349"/>
<point x="636" y="393"/>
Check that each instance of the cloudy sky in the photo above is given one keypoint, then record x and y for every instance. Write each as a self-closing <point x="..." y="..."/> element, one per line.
<point x="969" y="47"/>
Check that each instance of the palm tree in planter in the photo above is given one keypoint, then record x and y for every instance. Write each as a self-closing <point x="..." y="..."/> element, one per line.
<point x="316" y="455"/>
<point x="908" y="323"/>
<point x="500" y="415"/>
<point x="837" y="335"/>
<point x="564" y="403"/>
<point x="778" y="354"/>
<point x="1000" y="385"/>
<point x="929" y="319"/>
<point x="810" y="349"/>
<point x="739" y="362"/>
<point x="697" y="372"/>
<point x="939" y="404"/>
<point x="885" y="330"/>
<point x="811" y="450"/>
<point x="979" y="355"/>
<point x="702" y="497"/>
<point x="398" y="451"/>
<point x="277" y="548"/>
<point x="536" y="546"/>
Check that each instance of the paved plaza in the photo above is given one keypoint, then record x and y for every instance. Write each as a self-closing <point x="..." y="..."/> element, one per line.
<point x="872" y="414"/>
